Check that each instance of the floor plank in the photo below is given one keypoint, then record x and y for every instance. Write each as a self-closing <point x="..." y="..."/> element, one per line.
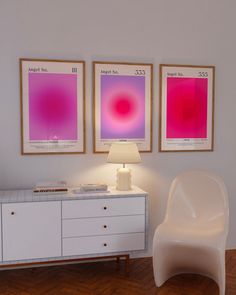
<point x="103" y="278"/>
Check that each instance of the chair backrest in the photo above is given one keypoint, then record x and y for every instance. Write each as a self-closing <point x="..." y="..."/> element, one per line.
<point x="198" y="197"/>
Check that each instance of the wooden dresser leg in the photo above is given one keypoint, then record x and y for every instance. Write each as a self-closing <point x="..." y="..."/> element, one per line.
<point x="118" y="262"/>
<point x="127" y="264"/>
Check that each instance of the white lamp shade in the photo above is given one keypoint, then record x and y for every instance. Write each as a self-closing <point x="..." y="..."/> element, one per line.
<point x="124" y="153"/>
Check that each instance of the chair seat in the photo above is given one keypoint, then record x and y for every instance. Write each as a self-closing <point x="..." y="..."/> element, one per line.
<point x="192" y="234"/>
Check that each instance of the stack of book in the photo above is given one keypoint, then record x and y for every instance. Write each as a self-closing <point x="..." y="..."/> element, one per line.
<point x="57" y="187"/>
<point x="96" y="187"/>
<point x="91" y="188"/>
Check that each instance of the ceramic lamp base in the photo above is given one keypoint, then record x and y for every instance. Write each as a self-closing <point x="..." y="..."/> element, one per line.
<point x="123" y="179"/>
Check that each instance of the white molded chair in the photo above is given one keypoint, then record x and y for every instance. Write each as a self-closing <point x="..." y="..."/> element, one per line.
<point x="193" y="235"/>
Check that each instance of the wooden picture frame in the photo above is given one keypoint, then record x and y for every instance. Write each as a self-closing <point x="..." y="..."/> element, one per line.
<point x="52" y="94"/>
<point x="122" y="104"/>
<point x="186" y="108"/>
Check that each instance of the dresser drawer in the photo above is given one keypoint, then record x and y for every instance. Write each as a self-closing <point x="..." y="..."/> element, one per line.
<point x="103" y="207"/>
<point x="103" y="226"/>
<point x="103" y="244"/>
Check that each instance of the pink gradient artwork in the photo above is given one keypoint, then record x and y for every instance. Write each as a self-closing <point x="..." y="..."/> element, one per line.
<point x="186" y="107"/>
<point x="52" y="106"/>
<point x="122" y="107"/>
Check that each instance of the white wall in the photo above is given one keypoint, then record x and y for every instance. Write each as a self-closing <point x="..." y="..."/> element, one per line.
<point x="157" y="31"/>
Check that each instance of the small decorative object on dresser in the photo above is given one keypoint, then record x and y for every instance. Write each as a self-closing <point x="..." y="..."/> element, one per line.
<point x="51" y="228"/>
<point x="123" y="153"/>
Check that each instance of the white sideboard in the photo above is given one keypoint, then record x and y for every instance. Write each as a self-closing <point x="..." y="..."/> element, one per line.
<point x="51" y="228"/>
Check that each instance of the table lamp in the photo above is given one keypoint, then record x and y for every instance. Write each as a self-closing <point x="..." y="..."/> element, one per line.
<point x="123" y="152"/>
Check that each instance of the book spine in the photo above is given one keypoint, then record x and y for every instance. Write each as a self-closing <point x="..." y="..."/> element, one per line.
<point x="50" y="190"/>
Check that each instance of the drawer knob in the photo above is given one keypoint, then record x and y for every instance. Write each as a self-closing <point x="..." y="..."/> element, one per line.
<point x="105" y="226"/>
<point x="105" y="207"/>
<point x="12" y="213"/>
<point x="105" y="244"/>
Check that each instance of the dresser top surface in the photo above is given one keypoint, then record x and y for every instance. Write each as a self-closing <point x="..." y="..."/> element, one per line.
<point x="10" y="196"/>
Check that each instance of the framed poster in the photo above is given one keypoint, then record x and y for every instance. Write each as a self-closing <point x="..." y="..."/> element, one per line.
<point x="122" y="104"/>
<point x="52" y="106"/>
<point x="186" y="108"/>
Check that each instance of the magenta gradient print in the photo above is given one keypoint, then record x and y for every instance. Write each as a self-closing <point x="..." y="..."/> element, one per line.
<point x="52" y="106"/>
<point x="186" y="107"/>
<point x="122" y="107"/>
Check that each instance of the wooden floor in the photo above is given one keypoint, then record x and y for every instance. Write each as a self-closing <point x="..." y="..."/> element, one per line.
<point x="102" y="278"/>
